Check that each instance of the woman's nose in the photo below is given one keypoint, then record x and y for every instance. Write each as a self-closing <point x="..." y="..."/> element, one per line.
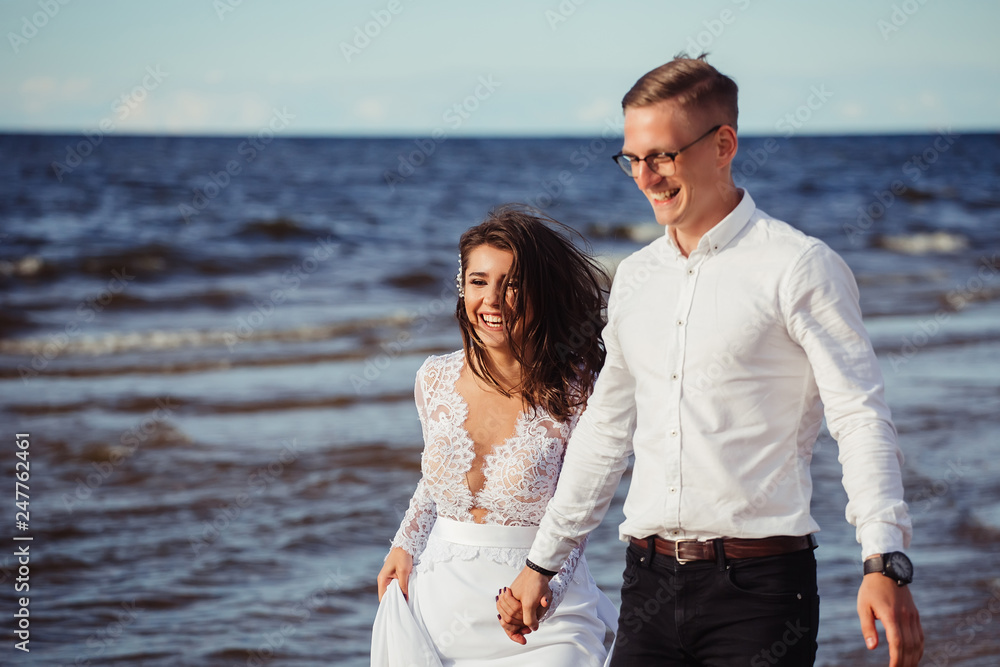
<point x="494" y="295"/>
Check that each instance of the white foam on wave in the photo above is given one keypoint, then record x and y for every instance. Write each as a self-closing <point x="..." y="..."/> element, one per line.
<point x="115" y="342"/>
<point x="923" y="244"/>
<point x="638" y="232"/>
<point x="987" y="517"/>
<point x="26" y="266"/>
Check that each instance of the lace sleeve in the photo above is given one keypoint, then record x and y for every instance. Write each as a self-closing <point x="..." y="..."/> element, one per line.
<point x="563" y="578"/>
<point x="420" y="515"/>
<point x="417" y="522"/>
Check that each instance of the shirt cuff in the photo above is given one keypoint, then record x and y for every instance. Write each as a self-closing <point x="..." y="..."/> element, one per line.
<point x="879" y="537"/>
<point x="549" y="553"/>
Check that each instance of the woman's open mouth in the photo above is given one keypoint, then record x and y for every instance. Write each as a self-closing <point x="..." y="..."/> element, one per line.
<point x="491" y="322"/>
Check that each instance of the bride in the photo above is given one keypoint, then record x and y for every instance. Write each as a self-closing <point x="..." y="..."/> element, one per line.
<point x="496" y="417"/>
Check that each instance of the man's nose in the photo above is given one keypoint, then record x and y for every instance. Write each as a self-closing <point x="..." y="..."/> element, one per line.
<point x="645" y="176"/>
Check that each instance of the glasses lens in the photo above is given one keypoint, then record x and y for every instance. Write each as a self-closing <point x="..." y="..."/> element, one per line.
<point x="624" y="163"/>
<point x="663" y="165"/>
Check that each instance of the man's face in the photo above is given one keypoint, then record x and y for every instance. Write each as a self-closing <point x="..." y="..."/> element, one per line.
<point x="686" y="199"/>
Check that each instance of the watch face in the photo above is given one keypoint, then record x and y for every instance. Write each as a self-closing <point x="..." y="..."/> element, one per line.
<point x="899" y="567"/>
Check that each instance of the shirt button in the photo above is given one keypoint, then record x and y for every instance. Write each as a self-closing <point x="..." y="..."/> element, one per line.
<point x="680" y="323"/>
<point x="675" y="532"/>
<point x="673" y="489"/>
<point x="690" y="272"/>
<point x="673" y="433"/>
<point x="674" y="376"/>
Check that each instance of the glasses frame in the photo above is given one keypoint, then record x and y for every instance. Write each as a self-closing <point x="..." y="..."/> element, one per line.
<point x="633" y="160"/>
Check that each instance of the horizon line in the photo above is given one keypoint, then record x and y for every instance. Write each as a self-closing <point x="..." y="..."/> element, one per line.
<point x="527" y="135"/>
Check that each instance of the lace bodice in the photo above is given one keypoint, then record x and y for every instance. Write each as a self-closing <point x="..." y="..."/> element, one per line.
<point x="520" y="473"/>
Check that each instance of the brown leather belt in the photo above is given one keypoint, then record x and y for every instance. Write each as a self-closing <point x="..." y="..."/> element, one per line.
<point x="688" y="550"/>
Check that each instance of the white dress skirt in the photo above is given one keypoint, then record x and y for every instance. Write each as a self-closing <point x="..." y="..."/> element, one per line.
<point x="451" y="618"/>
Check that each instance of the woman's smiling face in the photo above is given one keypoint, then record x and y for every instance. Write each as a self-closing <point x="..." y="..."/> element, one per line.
<point x="487" y="269"/>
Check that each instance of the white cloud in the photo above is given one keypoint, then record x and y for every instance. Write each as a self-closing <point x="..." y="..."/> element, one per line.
<point x="852" y="110"/>
<point x="39" y="85"/>
<point x="370" y="108"/>
<point x="188" y="110"/>
<point x="598" y="110"/>
<point x="930" y="100"/>
<point x="40" y="93"/>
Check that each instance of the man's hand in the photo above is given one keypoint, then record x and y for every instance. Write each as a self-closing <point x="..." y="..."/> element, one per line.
<point x="510" y="607"/>
<point x="397" y="566"/>
<point x="879" y="597"/>
<point x="522" y="604"/>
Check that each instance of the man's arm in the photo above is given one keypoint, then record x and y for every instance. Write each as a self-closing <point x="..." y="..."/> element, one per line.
<point x="596" y="456"/>
<point x="823" y="315"/>
<point x="820" y="299"/>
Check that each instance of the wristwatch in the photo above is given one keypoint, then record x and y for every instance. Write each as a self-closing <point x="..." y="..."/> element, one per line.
<point x="894" y="565"/>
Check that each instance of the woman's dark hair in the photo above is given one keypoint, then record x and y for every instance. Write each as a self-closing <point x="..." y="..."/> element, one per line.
<point x="558" y="302"/>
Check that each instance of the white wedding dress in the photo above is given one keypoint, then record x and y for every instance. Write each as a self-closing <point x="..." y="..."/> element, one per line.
<point x="460" y="565"/>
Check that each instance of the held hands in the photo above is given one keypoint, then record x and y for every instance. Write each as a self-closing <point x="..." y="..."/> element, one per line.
<point x="521" y="605"/>
<point x="398" y="565"/>
<point x="880" y="598"/>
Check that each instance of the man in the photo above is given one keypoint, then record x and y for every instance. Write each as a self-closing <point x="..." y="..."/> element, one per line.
<point x="726" y="340"/>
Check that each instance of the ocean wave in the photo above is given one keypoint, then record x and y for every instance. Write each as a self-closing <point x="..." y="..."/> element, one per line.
<point x="152" y="433"/>
<point x="984" y="522"/>
<point x="923" y="243"/>
<point x="915" y="194"/>
<point x="281" y="229"/>
<point x="638" y="232"/>
<point x="125" y="300"/>
<point x="982" y="204"/>
<point x="414" y="280"/>
<point x="115" y="343"/>
<point x="28" y="266"/>
<point x="151" y="260"/>
<point x="145" y="404"/>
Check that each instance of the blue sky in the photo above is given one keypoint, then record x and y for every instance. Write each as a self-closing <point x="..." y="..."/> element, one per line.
<point x="555" y="67"/>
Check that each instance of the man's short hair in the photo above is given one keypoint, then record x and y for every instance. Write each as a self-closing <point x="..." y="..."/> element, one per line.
<point x="693" y="83"/>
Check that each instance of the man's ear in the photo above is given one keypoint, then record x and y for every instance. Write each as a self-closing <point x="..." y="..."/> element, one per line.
<point x="726" y="144"/>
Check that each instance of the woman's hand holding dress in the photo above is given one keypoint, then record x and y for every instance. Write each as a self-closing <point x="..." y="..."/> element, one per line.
<point x="398" y="565"/>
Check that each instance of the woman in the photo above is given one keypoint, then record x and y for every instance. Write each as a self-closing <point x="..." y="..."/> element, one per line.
<point x="496" y="417"/>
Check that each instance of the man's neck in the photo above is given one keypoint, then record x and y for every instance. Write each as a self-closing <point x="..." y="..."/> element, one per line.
<point x="686" y="243"/>
<point x="687" y="239"/>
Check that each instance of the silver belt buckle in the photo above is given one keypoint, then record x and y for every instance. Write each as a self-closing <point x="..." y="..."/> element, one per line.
<point x="677" y="552"/>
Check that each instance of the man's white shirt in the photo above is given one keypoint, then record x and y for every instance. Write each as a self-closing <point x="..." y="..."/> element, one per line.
<point x="719" y="368"/>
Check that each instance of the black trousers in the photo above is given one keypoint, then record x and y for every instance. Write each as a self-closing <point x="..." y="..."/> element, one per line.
<point x="755" y="612"/>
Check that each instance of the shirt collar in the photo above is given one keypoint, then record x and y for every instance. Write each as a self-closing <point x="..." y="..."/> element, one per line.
<point x="717" y="238"/>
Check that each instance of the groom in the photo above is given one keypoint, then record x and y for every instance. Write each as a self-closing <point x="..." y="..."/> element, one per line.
<point x="728" y="339"/>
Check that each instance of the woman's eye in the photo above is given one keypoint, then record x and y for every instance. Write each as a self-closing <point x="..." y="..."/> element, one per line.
<point x="477" y="282"/>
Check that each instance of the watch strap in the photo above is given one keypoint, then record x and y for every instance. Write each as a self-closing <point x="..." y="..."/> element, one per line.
<point x="539" y="569"/>
<point x="874" y="564"/>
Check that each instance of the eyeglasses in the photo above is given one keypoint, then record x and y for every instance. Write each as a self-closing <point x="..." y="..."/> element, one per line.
<point x="662" y="163"/>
